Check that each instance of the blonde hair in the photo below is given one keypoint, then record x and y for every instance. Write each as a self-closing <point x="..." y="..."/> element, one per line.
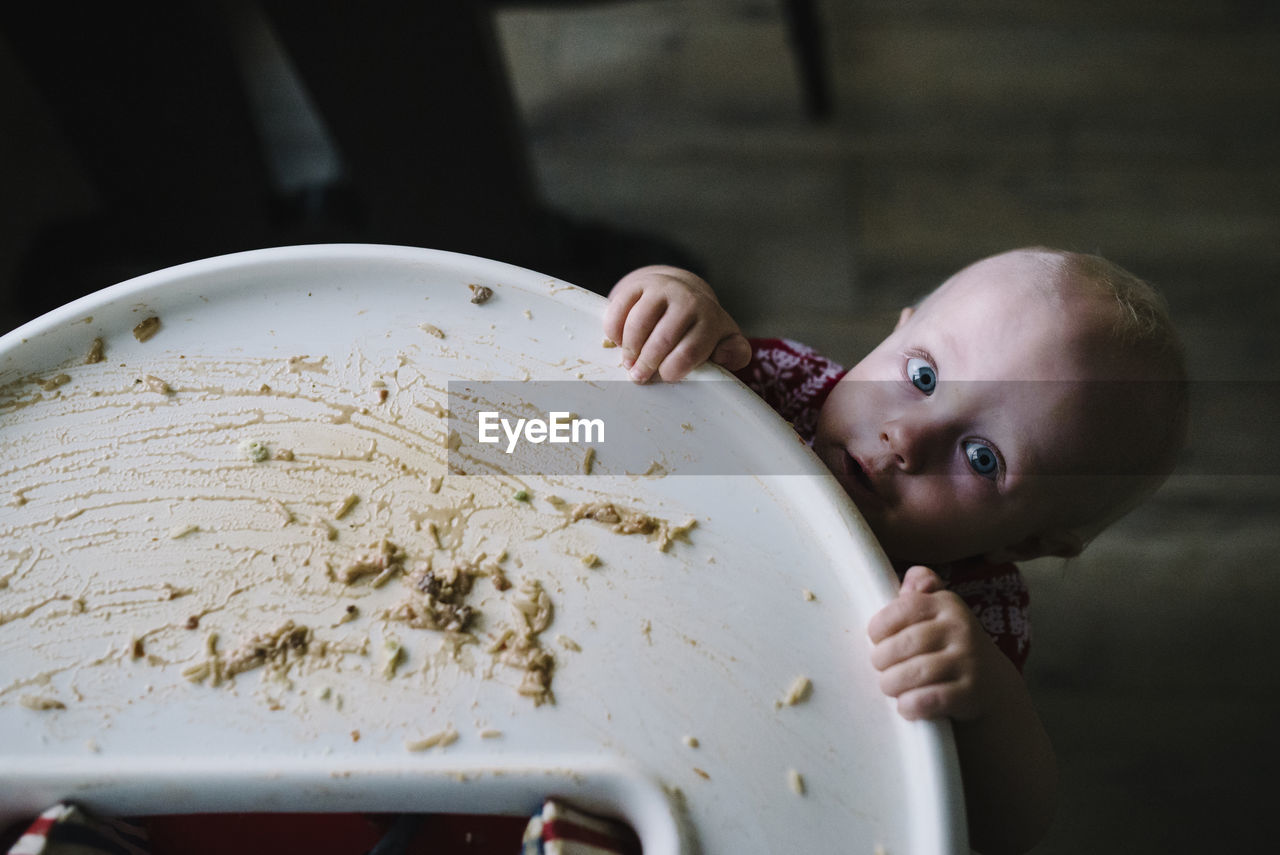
<point x="1140" y="335"/>
<point x="1142" y="316"/>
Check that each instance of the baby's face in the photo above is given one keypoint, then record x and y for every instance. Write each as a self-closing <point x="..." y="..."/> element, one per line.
<point x="955" y="437"/>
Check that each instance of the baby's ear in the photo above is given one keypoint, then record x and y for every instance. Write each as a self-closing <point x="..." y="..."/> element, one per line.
<point x="904" y="315"/>
<point x="1063" y="544"/>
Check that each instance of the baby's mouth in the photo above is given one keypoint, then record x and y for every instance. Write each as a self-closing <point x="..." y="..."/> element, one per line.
<point x="858" y="473"/>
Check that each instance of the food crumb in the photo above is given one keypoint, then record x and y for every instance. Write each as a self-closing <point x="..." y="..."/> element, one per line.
<point x="480" y="293"/>
<point x="255" y="450"/>
<point x="350" y="613"/>
<point x="796" y="781"/>
<point x="182" y="531"/>
<point x="568" y="643"/>
<point x="490" y="733"/>
<point x="608" y="343"/>
<point x="146" y="328"/>
<point x="701" y="774"/>
<point x="322" y="525"/>
<point x="588" y="461"/>
<point x="298" y="364"/>
<point x="528" y="314"/>
<point x="439" y="739"/>
<point x="344" y="507"/>
<point x="431" y="329"/>
<point x="393" y="656"/>
<point x="521" y="495"/>
<point x="41" y="703"/>
<point x="385" y="562"/>
<point x="286" y="515"/>
<point x="155" y="384"/>
<point x="799" y="691"/>
<point x="591" y="560"/>
<point x="54" y="382"/>
<point x="691" y="741"/>
<point x="499" y="579"/>
<point x="193" y="622"/>
<point x="96" y="354"/>
<point x="355" y="736"/>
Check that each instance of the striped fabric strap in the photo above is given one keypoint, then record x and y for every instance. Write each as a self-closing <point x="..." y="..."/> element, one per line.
<point x="66" y="830"/>
<point x="561" y="830"/>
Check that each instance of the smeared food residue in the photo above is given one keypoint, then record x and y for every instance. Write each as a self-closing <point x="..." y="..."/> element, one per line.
<point x="624" y="520"/>
<point x="266" y="525"/>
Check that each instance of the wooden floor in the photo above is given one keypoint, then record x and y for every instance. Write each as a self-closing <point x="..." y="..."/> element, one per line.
<point x="1147" y="132"/>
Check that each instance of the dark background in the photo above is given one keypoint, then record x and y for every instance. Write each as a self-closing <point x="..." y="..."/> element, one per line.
<point x="583" y="139"/>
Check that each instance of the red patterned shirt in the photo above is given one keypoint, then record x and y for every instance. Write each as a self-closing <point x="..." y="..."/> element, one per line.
<point x="795" y="381"/>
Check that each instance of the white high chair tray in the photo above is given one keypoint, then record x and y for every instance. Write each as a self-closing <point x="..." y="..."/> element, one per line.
<point x="147" y="556"/>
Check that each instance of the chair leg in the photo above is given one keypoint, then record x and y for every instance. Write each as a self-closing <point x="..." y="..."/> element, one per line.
<point x="805" y="30"/>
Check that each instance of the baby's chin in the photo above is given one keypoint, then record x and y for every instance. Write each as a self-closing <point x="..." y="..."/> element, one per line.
<point x="894" y="546"/>
<point x="905" y="549"/>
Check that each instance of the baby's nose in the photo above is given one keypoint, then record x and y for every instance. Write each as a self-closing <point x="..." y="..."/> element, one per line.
<point x="891" y="438"/>
<point x="907" y="445"/>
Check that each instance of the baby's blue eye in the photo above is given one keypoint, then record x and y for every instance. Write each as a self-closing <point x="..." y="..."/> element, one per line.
<point x="982" y="458"/>
<point x="922" y="374"/>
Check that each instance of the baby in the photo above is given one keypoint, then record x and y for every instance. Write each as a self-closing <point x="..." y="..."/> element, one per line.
<point x="1025" y="404"/>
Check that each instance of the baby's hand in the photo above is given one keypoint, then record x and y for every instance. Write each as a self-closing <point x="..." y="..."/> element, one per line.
<point x="667" y="321"/>
<point x="933" y="655"/>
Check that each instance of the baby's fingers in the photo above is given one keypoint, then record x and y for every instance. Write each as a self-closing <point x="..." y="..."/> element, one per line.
<point x="922" y="684"/>
<point x="622" y="299"/>
<point x="642" y="319"/>
<point x="691" y="351"/>
<point x="913" y="640"/>
<point x="908" y="608"/>
<point x="937" y="700"/>
<point x="664" y="338"/>
<point x="733" y="352"/>
<point x="922" y="580"/>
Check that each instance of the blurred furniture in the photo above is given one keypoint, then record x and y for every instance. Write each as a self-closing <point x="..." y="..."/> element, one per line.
<point x="413" y="96"/>
<point x="804" y="31"/>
